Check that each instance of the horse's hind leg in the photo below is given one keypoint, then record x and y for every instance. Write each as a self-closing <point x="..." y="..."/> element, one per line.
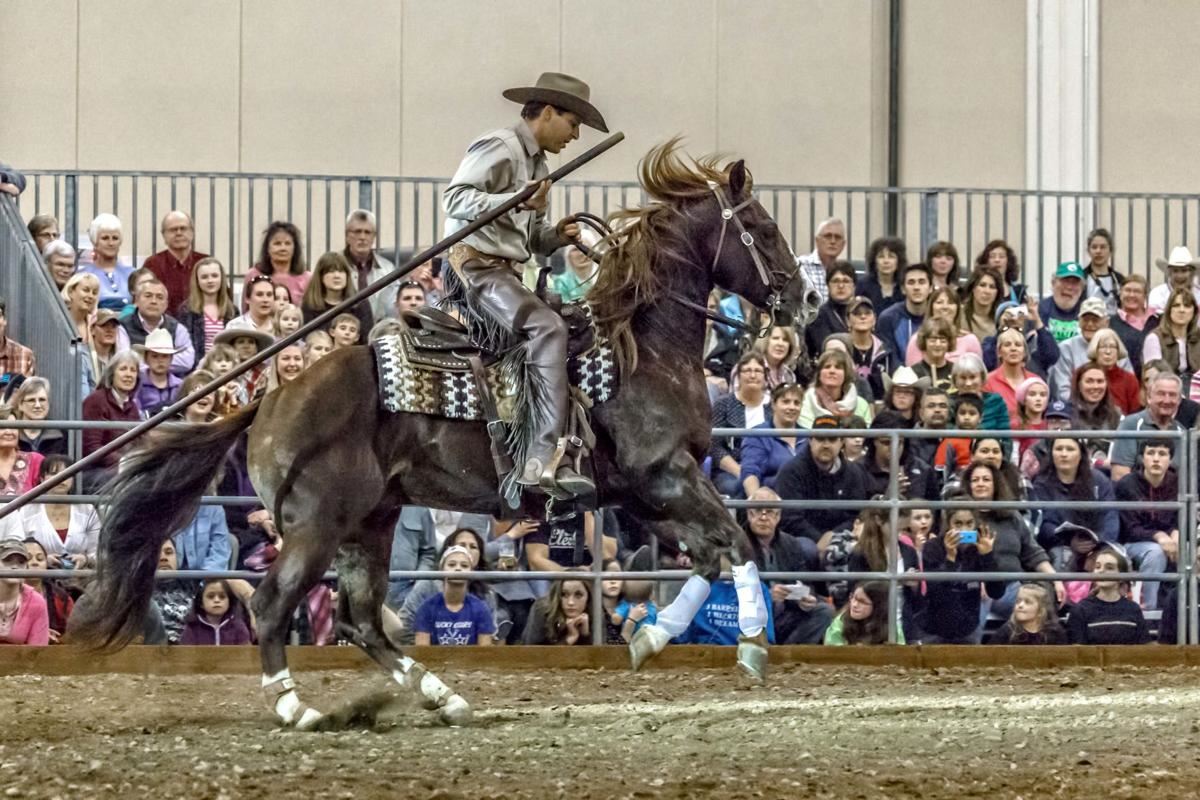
<point x="297" y="569"/>
<point x="362" y="578"/>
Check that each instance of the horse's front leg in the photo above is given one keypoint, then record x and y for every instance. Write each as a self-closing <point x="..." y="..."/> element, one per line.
<point x="685" y="508"/>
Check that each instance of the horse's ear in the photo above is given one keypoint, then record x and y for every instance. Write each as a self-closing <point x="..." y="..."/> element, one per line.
<point x="737" y="178"/>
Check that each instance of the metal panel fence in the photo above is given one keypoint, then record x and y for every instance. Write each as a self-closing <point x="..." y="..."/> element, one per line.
<point x="36" y="315"/>
<point x="1186" y="444"/>
<point x="233" y="209"/>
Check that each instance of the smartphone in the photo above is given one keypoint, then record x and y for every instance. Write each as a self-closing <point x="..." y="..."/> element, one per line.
<point x="798" y="591"/>
<point x="968" y="537"/>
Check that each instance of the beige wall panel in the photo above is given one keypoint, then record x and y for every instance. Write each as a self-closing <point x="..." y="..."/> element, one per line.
<point x="1150" y="96"/>
<point x="320" y="86"/>
<point x="458" y="56"/>
<point x="37" y="73"/>
<point x="795" y="89"/>
<point x="963" y="93"/>
<point x="158" y="85"/>
<point x="653" y="75"/>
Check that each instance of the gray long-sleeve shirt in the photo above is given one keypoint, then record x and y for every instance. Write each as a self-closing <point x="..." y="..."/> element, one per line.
<point x="497" y="166"/>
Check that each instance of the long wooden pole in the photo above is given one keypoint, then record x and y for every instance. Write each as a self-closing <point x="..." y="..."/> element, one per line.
<point x="420" y="258"/>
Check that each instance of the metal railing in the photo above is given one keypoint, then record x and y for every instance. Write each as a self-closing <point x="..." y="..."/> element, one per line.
<point x="37" y="317"/>
<point x="233" y="209"/>
<point x="1186" y="444"/>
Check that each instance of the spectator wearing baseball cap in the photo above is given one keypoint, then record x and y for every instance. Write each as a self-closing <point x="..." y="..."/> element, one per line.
<point x="1061" y="309"/>
<point x="1073" y="353"/>
<point x="819" y="472"/>
<point x="24" y="618"/>
<point x="872" y="359"/>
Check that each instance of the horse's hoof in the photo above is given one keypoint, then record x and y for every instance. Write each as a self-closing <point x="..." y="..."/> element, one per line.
<point x="648" y="642"/>
<point x="309" y="720"/>
<point x="752" y="656"/>
<point x="456" y="712"/>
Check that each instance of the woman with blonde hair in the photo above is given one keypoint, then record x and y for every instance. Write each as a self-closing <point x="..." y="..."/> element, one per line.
<point x="209" y="305"/>
<point x="81" y="294"/>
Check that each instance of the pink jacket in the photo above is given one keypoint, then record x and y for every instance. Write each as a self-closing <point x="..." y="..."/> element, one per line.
<point x="32" y="625"/>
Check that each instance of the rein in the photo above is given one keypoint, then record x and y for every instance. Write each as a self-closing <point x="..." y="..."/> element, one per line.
<point x="606" y="232"/>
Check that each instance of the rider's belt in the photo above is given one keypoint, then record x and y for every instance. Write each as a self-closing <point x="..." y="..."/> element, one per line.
<point x="462" y="253"/>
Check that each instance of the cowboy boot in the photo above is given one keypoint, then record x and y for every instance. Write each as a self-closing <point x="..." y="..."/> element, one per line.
<point x="499" y="292"/>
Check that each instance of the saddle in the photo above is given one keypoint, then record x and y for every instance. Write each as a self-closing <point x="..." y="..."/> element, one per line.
<point x="433" y="367"/>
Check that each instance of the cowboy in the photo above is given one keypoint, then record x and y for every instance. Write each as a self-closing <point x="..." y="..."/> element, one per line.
<point x="1181" y="273"/>
<point x="488" y="263"/>
<point x="158" y="388"/>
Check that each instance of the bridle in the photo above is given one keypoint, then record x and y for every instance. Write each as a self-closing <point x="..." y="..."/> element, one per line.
<point x="777" y="281"/>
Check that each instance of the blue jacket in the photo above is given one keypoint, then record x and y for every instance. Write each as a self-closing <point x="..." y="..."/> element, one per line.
<point x="896" y="326"/>
<point x="717" y="620"/>
<point x="204" y="543"/>
<point x="762" y="456"/>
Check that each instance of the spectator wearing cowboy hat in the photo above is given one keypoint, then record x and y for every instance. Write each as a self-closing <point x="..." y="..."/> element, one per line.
<point x="159" y="386"/>
<point x="1062" y="308"/>
<point x="149" y="315"/>
<point x="247" y="342"/>
<point x="1181" y="274"/>
<point x="902" y="394"/>
<point x="1073" y="352"/>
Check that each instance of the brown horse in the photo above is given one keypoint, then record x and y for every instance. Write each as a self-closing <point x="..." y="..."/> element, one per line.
<point x="336" y="467"/>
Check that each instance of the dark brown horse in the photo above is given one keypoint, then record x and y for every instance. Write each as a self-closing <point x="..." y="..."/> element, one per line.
<point x="336" y="467"/>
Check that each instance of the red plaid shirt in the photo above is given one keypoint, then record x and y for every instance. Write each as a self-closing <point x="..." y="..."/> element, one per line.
<point x="16" y="357"/>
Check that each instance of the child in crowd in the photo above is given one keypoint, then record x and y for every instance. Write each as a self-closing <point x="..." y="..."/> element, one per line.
<point x="454" y="616"/>
<point x="217" y="617"/>
<point x="283" y="297"/>
<point x="954" y="453"/>
<point x="610" y="591"/>
<point x="344" y="330"/>
<point x="864" y="618"/>
<point x="220" y="360"/>
<point x="916" y="526"/>
<point x="1107" y="616"/>
<point x="316" y="345"/>
<point x="1076" y="552"/>
<point x="1033" y="396"/>
<point x="635" y="609"/>
<point x="58" y="600"/>
<point x="1033" y="619"/>
<point x="287" y="319"/>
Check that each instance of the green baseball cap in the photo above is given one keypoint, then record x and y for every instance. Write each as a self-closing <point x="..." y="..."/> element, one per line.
<point x="1069" y="269"/>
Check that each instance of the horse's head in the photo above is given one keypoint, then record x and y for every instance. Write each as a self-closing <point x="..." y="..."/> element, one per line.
<point x="748" y="254"/>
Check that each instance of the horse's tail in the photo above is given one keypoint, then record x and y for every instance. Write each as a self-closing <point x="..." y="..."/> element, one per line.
<point x="156" y="494"/>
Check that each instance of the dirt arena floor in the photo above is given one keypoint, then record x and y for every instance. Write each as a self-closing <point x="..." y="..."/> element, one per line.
<point x="829" y="731"/>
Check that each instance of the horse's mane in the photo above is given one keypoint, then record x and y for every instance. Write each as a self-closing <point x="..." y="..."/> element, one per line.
<point x="645" y="236"/>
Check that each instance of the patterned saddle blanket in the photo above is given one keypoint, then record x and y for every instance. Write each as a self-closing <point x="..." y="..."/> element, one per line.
<point x="427" y="371"/>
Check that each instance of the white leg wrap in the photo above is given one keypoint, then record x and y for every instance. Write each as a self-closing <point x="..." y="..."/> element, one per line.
<point x="282" y="675"/>
<point x="286" y="707"/>
<point x="752" y="606"/>
<point x="675" y="618"/>
<point x="453" y="709"/>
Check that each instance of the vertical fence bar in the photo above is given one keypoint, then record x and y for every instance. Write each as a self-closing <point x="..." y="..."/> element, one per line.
<point x="288" y="184"/>
<point x="134" y="212"/>
<point x="364" y="193"/>
<point x="231" y="266"/>
<point x="212" y="218"/>
<point x="308" y="217"/>
<point x="1189" y="603"/>
<point x="71" y="208"/>
<point x="597" y="610"/>
<point x="894" y="570"/>
<point x="929" y="220"/>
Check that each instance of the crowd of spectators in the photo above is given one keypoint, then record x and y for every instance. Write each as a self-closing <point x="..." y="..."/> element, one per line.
<point x="898" y="343"/>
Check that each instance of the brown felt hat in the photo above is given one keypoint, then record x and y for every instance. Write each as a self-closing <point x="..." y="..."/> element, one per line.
<point x="561" y="91"/>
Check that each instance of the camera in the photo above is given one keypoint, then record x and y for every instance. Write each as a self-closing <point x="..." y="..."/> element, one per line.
<point x="968" y="537"/>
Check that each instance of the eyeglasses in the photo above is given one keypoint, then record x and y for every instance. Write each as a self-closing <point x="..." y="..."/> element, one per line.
<point x="762" y="512"/>
<point x="752" y="371"/>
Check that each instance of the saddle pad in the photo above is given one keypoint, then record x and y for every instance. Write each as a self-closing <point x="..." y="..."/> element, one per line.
<point x="417" y="388"/>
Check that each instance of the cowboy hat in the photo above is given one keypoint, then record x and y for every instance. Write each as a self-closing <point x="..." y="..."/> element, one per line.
<point x="561" y="91"/>
<point x="905" y="378"/>
<point x="234" y="332"/>
<point x="159" y="341"/>
<point x="1180" y="257"/>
